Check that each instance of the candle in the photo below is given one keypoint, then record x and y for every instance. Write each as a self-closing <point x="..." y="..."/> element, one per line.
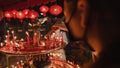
<point x="15" y="37"/>
<point x="15" y="67"/>
<point x="62" y="37"/>
<point x="21" y="39"/>
<point x="53" y="36"/>
<point x="78" y="66"/>
<point x="12" y="66"/>
<point x="28" y="38"/>
<point x="1" y="44"/>
<point x="8" y="32"/>
<point x="42" y="43"/>
<point x="13" y="34"/>
<point x="35" y="39"/>
<point x="21" y="61"/>
<point x="8" y="37"/>
<point x="27" y="33"/>
<point x="11" y="42"/>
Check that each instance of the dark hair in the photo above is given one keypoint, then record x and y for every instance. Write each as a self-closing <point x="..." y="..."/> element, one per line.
<point x="73" y="8"/>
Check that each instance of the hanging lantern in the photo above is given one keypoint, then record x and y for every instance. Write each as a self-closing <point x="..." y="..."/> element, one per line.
<point x="33" y="14"/>
<point x="55" y="10"/>
<point x="14" y="12"/>
<point x="44" y="9"/>
<point x="26" y="11"/>
<point x="20" y="15"/>
<point x="8" y="14"/>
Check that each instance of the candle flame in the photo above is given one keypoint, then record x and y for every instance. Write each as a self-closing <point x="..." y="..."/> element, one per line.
<point x="27" y="33"/>
<point x="11" y="42"/>
<point x="35" y="33"/>
<point x="12" y="31"/>
<point x="6" y="41"/>
<point x="8" y="31"/>
<point x="15" y="37"/>
<point x="1" y="44"/>
<point x="6" y="36"/>
<point x="21" y="39"/>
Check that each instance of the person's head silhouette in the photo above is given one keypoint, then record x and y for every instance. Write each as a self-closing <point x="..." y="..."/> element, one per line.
<point x="97" y="21"/>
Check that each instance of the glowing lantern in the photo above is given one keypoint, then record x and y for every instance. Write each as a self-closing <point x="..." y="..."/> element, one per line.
<point x="8" y="14"/>
<point x="44" y="9"/>
<point x="26" y="11"/>
<point x="14" y="12"/>
<point x="33" y="15"/>
<point x="55" y="10"/>
<point x="20" y="15"/>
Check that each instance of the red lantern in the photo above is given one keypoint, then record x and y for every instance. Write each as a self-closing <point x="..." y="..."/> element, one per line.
<point x="44" y="9"/>
<point x="55" y="10"/>
<point x="8" y="14"/>
<point x="33" y="14"/>
<point x="20" y="15"/>
<point x="14" y="12"/>
<point x="26" y="11"/>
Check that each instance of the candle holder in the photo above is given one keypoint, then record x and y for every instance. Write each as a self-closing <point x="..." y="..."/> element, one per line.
<point x="33" y="44"/>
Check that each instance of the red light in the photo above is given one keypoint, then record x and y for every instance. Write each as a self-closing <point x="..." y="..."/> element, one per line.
<point x="8" y="14"/>
<point x="14" y="12"/>
<point x="20" y="15"/>
<point x="44" y="9"/>
<point x="55" y="10"/>
<point x="33" y="14"/>
<point x="26" y="11"/>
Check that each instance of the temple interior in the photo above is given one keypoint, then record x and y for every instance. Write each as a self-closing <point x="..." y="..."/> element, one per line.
<point x="55" y="33"/>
